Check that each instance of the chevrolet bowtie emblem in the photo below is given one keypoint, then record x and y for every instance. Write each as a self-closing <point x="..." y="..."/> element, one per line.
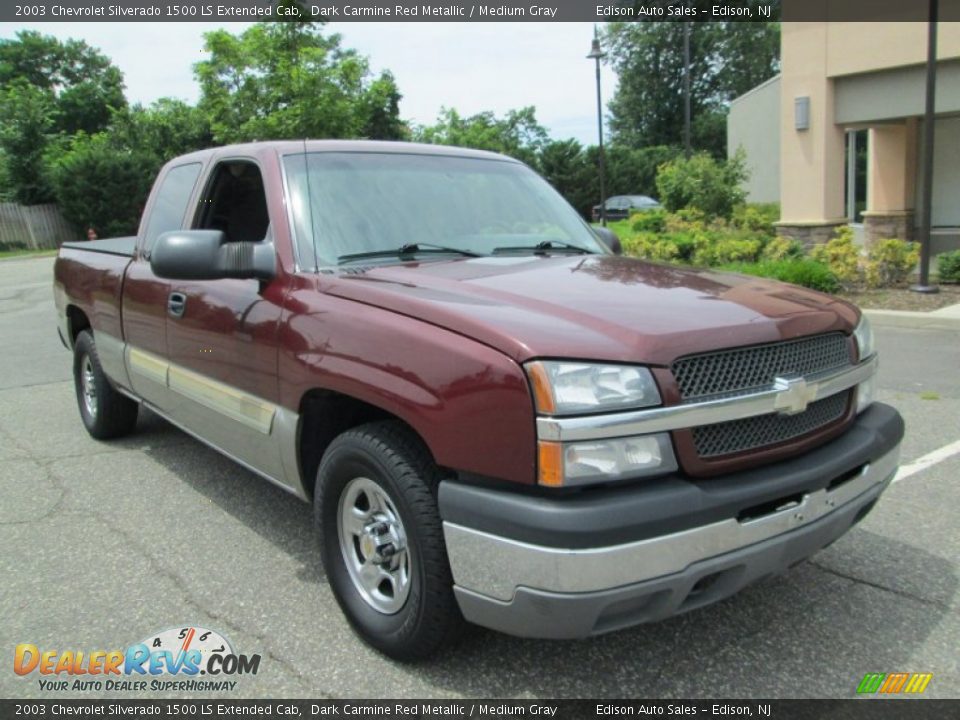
<point x="795" y="393"/>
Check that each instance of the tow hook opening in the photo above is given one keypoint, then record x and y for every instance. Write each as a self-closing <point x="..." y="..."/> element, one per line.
<point x="846" y="477"/>
<point x="756" y="512"/>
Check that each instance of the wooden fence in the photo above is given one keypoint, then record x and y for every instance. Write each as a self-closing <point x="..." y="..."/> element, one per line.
<point x="36" y="227"/>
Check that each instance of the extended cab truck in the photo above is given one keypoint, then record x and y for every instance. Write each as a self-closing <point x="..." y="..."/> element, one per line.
<point x="496" y="417"/>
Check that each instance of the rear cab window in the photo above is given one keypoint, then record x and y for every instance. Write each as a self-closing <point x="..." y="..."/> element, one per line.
<point x="170" y="206"/>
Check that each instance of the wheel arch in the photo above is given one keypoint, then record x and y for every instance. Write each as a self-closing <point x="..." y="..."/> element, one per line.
<point x="325" y="414"/>
<point x="77" y="322"/>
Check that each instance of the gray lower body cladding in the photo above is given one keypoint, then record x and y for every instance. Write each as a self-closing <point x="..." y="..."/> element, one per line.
<point x="646" y="567"/>
<point x="543" y="614"/>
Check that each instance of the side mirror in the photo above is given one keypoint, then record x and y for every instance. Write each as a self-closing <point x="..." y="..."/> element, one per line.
<point x="609" y="238"/>
<point x="206" y="255"/>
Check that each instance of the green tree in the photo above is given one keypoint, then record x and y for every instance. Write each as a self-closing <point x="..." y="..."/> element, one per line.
<point x="379" y="110"/>
<point x="289" y="80"/>
<point x="164" y="130"/>
<point x="633" y="171"/>
<point x="100" y="185"/>
<point x="726" y="60"/>
<point x="84" y="85"/>
<point x="566" y="166"/>
<point x="713" y="187"/>
<point x="26" y="121"/>
<point x="517" y="134"/>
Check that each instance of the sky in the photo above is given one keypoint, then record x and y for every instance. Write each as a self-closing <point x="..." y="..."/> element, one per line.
<point x="468" y="66"/>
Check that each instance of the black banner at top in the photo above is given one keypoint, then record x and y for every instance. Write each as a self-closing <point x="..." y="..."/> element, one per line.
<point x="470" y="11"/>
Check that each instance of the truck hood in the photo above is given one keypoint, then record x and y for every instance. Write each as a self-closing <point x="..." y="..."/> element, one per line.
<point x="594" y="307"/>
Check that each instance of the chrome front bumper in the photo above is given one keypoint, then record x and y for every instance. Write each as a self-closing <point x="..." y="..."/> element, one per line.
<point x="538" y="591"/>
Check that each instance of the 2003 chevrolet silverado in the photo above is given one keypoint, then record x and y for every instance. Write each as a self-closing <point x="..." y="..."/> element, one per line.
<point x="495" y="416"/>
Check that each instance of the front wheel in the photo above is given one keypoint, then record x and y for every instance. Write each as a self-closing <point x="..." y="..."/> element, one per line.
<point x="105" y="412"/>
<point x="382" y="540"/>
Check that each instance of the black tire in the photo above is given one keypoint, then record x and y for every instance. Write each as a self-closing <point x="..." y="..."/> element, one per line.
<point x="391" y="456"/>
<point x="110" y="414"/>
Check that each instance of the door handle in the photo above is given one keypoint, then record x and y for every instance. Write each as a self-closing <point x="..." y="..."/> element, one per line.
<point x="176" y="304"/>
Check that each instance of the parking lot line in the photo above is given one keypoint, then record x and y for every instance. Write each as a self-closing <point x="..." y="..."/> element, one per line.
<point x="925" y="461"/>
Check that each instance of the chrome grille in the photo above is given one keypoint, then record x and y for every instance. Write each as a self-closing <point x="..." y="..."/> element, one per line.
<point x="738" y="435"/>
<point x="742" y="369"/>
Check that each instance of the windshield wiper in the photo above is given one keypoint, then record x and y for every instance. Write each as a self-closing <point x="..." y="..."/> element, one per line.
<point x="406" y="251"/>
<point x="543" y="246"/>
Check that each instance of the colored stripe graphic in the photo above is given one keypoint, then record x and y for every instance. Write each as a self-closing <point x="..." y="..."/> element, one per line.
<point x="871" y="682"/>
<point x="918" y="683"/>
<point x="894" y="683"/>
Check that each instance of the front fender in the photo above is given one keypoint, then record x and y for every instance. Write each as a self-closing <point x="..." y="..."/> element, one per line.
<point x="470" y="403"/>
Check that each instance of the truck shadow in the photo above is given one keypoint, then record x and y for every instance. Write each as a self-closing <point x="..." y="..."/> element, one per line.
<point x="804" y="634"/>
<point x="276" y="515"/>
<point x="774" y="639"/>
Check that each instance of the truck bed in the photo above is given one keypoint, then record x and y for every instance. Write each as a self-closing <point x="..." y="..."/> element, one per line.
<point x="93" y="271"/>
<point x="123" y="246"/>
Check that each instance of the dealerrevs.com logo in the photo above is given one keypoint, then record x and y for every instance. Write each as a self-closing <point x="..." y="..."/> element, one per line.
<point x="169" y="661"/>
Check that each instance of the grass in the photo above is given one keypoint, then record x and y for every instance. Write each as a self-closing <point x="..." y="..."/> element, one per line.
<point x="928" y="395"/>
<point x="623" y="228"/>
<point x="8" y="254"/>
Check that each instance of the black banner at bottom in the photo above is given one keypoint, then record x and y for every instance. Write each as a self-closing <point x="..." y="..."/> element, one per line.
<point x="560" y="709"/>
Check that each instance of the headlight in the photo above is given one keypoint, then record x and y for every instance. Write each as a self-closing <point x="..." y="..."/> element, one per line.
<point x="565" y="388"/>
<point x="597" y="461"/>
<point x="865" y="393"/>
<point x="864" y="337"/>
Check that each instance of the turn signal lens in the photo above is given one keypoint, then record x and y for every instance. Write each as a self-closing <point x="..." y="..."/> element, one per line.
<point x="550" y="466"/>
<point x="542" y="394"/>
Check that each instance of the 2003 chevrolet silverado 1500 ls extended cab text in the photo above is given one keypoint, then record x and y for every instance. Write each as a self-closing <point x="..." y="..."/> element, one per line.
<point x="496" y="417"/>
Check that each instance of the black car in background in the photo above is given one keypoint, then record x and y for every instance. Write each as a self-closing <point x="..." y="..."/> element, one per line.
<point x="619" y="207"/>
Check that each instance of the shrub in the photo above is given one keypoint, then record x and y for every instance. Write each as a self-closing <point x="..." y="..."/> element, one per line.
<point x="889" y="262"/>
<point x="686" y="244"/>
<point x="805" y="272"/>
<point x="756" y="217"/>
<point x="99" y="185"/>
<point x="841" y="256"/>
<point x="713" y="250"/>
<point x="782" y="249"/>
<point x="948" y="266"/>
<point x="702" y="183"/>
<point x="651" y="247"/>
<point x="649" y="221"/>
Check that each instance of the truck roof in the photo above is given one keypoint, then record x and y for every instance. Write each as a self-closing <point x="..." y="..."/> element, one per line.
<point x="289" y="147"/>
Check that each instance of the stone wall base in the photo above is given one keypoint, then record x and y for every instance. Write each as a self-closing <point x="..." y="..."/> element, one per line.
<point x="887" y="225"/>
<point x="809" y="234"/>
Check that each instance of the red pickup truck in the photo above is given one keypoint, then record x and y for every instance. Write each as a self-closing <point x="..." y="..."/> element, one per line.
<point x="497" y="418"/>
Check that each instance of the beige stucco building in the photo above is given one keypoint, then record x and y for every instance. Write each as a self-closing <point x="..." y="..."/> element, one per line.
<point x="799" y="130"/>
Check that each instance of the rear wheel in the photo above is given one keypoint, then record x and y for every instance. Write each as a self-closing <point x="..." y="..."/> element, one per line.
<point x="382" y="540"/>
<point x="105" y="412"/>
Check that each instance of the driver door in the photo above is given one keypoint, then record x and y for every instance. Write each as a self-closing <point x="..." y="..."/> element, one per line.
<point x="222" y="334"/>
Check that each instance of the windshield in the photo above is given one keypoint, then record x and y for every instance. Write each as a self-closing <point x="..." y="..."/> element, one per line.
<point x="344" y="204"/>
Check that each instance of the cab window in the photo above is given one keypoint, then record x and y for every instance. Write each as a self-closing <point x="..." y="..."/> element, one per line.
<point x="170" y="207"/>
<point x="235" y="202"/>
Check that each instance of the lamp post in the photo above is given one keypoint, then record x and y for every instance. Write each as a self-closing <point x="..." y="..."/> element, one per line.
<point x="924" y="286"/>
<point x="686" y="88"/>
<point x="597" y="54"/>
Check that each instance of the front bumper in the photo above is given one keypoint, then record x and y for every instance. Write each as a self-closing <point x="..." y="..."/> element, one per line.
<point x="606" y="559"/>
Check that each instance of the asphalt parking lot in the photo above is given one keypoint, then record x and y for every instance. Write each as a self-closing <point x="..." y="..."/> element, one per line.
<point x="107" y="543"/>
